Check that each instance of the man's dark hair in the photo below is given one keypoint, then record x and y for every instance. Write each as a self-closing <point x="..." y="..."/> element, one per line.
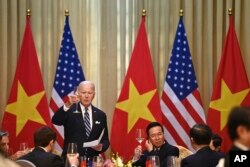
<point x="201" y="134"/>
<point x="239" y="116"/>
<point x="153" y="124"/>
<point x="216" y="140"/>
<point x="43" y="136"/>
<point x="2" y="134"/>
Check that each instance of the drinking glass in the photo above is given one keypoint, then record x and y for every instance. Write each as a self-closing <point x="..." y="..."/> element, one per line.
<point x="24" y="146"/>
<point x="83" y="161"/>
<point x="97" y="161"/>
<point x="171" y="161"/>
<point x="72" y="149"/>
<point x="153" y="161"/>
<point x="76" y="99"/>
<point x="139" y="135"/>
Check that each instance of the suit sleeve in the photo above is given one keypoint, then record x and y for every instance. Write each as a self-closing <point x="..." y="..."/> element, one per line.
<point x="59" y="117"/>
<point x="105" y="139"/>
<point x="57" y="161"/>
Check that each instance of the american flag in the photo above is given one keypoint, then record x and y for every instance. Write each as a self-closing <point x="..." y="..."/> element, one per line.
<point x="69" y="74"/>
<point x="181" y="102"/>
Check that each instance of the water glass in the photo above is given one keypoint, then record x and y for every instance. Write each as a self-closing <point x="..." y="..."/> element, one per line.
<point x="153" y="161"/>
<point x="83" y="161"/>
<point x="172" y="161"/>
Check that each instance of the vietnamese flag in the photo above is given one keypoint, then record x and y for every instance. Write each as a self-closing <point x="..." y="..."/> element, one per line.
<point x="27" y="107"/>
<point x="231" y="87"/>
<point x="138" y="103"/>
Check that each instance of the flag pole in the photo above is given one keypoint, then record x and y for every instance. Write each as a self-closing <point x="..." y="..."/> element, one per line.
<point x="181" y="12"/>
<point x="144" y="12"/>
<point x="66" y="12"/>
<point x="230" y="11"/>
<point x="28" y="12"/>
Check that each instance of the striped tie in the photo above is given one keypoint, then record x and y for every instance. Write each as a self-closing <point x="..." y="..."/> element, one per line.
<point x="87" y="122"/>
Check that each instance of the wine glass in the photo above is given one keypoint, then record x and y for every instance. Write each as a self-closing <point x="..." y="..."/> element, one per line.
<point x="139" y="135"/>
<point x="76" y="95"/>
<point x="72" y="149"/>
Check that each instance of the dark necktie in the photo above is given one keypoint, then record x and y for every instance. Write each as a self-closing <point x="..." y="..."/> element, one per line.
<point x="87" y="122"/>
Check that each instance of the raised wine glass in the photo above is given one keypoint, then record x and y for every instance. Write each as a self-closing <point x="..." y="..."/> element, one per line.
<point x="76" y="96"/>
<point x="140" y="135"/>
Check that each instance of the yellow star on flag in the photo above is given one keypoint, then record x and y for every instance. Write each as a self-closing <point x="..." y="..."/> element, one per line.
<point x="25" y="108"/>
<point x="137" y="105"/>
<point x="227" y="101"/>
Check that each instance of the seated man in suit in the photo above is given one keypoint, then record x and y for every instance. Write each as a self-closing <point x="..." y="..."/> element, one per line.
<point x="155" y="145"/>
<point x="200" y="136"/>
<point x="85" y="125"/>
<point x="41" y="155"/>
<point x="238" y="125"/>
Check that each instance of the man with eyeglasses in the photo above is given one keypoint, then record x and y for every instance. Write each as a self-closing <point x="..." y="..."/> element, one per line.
<point x="5" y="148"/>
<point x="155" y="145"/>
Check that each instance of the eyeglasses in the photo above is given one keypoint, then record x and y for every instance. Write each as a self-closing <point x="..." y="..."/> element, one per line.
<point x="3" y="134"/>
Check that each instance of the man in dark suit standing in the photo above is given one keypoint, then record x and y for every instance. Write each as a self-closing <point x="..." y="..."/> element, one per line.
<point x="200" y="136"/>
<point x="41" y="155"/>
<point x="155" y="145"/>
<point x="84" y="125"/>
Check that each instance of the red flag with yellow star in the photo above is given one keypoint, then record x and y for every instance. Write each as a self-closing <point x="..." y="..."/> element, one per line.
<point x="231" y="87"/>
<point x="138" y="103"/>
<point x="27" y="107"/>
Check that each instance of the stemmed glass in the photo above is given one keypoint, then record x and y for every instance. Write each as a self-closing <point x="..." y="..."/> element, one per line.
<point x="76" y="99"/>
<point x="72" y="149"/>
<point x="139" y="135"/>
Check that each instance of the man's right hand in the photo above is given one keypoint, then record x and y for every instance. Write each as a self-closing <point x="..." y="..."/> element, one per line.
<point x="137" y="153"/>
<point x="149" y="146"/>
<point x="72" y="99"/>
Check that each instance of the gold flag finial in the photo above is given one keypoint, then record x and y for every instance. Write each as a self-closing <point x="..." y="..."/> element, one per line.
<point x="181" y="12"/>
<point x="230" y="11"/>
<point x="144" y="12"/>
<point x="66" y="13"/>
<point x="28" y="12"/>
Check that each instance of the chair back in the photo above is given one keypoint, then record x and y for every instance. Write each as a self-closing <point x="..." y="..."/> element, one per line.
<point x="25" y="163"/>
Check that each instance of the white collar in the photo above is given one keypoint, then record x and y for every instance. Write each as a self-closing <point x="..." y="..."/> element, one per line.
<point x="241" y="146"/>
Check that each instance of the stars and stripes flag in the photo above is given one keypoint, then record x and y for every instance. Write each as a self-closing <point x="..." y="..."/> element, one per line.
<point x="181" y="102"/>
<point x="68" y="75"/>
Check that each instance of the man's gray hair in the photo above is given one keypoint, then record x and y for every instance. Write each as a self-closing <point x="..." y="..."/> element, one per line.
<point x="86" y="83"/>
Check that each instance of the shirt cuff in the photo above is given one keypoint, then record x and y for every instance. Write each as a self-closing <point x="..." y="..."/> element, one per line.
<point x="65" y="108"/>
<point x="134" y="159"/>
